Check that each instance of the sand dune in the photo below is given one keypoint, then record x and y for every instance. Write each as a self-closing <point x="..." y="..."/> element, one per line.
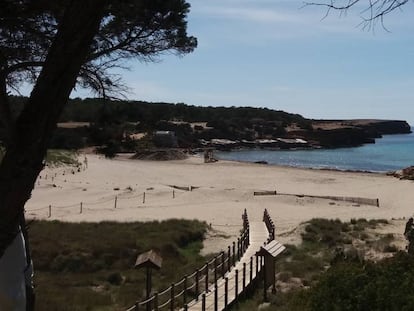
<point x="220" y="193"/>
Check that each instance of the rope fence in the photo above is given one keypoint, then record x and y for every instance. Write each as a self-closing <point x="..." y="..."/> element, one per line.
<point x="122" y="200"/>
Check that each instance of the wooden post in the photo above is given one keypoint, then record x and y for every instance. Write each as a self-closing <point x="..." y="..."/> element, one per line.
<point x="222" y="265"/>
<point x="203" y="302"/>
<point x="206" y="276"/>
<point x="238" y="248"/>
<point x="226" y="294"/>
<point x="172" y="297"/>
<point x="80" y="211"/>
<point x="156" y="301"/>
<point x="215" y="269"/>
<point x="186" y="307"/>
<point x="149" y="285"/>
<point x="257" y="265"/>
<point x="50" y="211"/>
<point x="185" y="290"/>
<point x="215" y="297"/>
<point x="143" y="198"/>
<point x="264" y="284"/>
<point x="116" y="200"/>
<point x="173" y="194"/>
<point x="228" y="258"/>
<point x="248" y="235"/>
<point x="251" y="269"/>
<point x="244" y="276"/>
<point x="197" y="279"/>
<point x="236" y="285"/>
<point x="241" y="247"/>
<point x="234" y="253"/>
<point x="136" y="306"/>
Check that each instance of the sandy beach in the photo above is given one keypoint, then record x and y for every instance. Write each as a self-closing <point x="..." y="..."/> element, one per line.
<point x="136" y="190"/>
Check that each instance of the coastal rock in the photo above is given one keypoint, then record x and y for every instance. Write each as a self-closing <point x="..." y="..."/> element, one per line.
<point x="390" y="127"/>
<point x="159" y="155"/>
<point x="340" y="137"/>
<point x="352" y="133"/>
<point x="406" y="173"/>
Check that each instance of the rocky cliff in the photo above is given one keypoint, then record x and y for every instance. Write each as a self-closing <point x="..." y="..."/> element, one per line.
<point x="349" y="133"/>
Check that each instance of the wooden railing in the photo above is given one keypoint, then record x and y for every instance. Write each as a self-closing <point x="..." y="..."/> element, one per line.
<point x="230" y="288"/>
<point x="191" y="286"/>
<point x="269" y="225"/>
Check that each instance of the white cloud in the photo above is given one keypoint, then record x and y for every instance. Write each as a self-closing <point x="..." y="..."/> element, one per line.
<point x="249" y="14"/>
<point x="286" y="19"/>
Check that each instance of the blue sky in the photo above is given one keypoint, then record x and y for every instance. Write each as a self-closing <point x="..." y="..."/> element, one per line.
<point x="275" y="54"/>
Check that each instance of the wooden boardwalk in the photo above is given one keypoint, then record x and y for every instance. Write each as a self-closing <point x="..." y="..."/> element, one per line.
<point x="235" y="282"/>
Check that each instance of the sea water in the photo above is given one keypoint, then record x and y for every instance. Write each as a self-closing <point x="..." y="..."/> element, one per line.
<point x="389" y="153"/>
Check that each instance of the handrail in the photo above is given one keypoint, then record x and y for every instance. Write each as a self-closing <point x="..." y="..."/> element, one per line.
<point x="237" y="283"/>
<point x="269" y="225"/>
<point x="200" y="279"/>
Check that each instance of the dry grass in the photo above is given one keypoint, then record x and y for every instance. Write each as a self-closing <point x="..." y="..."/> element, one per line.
<point x="90" y="266"/>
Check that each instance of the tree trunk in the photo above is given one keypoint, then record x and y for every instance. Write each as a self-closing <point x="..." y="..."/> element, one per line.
<point x="23" y="160"/>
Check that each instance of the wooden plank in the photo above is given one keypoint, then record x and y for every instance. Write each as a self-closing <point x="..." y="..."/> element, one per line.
<point x="265" y="192"/>
<point x="258" y="236"/>
<point x="273" y="248"/>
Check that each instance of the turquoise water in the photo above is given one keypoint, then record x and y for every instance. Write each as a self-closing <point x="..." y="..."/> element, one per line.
<point x="390" y="153"/>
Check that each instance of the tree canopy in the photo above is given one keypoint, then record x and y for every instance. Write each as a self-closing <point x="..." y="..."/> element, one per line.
<point x="134" y="29"/>
<point x="55" y="46"/>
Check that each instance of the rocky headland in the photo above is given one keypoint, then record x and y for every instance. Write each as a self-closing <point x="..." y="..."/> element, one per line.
<point x="321" y="134"/>
<point x="350" y="133"/>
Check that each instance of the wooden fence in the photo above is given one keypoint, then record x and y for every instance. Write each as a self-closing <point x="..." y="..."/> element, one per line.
<point x="269" y="225"/>
<point x="190" y="287"/>
<point x="243" y="277"/>
<point x="230" y="289"/>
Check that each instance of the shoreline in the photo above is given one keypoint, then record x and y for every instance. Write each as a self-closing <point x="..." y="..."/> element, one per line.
<point x="310" y="168"/>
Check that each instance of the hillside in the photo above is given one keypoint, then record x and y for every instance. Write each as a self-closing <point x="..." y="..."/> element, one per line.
<point x="130" y="125"/>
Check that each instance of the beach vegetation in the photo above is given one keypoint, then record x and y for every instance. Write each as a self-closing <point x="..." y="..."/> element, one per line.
<point x="324" y="271"/>
<point x="352" y="285"/>
<point x="55" y="157"/>
<point x="90" y="266"/>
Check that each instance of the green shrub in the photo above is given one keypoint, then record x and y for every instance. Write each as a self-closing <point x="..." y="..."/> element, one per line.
<point x="114" y="278"/>
<point x="56" y="157"/>
<point x="97" y="260"/>
<point x="366" y="286"/>
<point x="390" y="249"/>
